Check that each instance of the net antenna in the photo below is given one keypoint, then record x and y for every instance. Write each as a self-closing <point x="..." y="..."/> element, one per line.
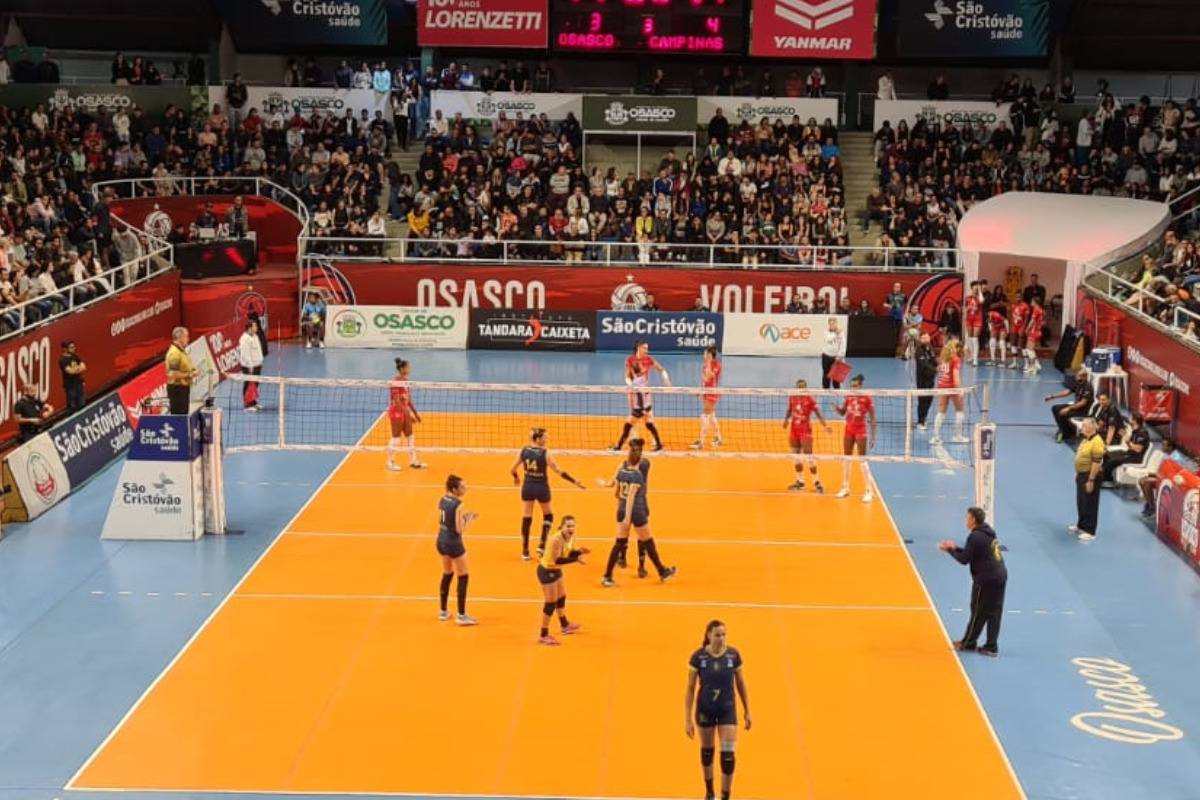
<point x="317" y="414"/>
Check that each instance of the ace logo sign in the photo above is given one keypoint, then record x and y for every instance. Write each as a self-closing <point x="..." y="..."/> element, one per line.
<point x="843" y="29"/>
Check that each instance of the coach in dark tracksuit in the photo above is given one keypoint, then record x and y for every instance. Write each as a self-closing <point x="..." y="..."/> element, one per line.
<point x="989" y="575"/>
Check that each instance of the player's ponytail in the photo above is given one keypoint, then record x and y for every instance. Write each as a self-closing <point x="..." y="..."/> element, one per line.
<point x="453" y="481"/>
<point x="536" y="433"/>
<point x="400" y="364"/>
<point x="709" y="628"/>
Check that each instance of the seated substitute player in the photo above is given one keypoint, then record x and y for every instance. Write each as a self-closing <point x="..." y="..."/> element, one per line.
<point x="714" y="673"/>
<point x="633" y="512"/>
<point x="560" y="549"/>
<point x="402" y="414"/>
<point x="453" y="521"/>
<point x="801" y="408"/>
<point x="535" y="459"/>
<point x="312" y="318"/>
<point x="710" y="378"/>
<point x="858" y="409"/>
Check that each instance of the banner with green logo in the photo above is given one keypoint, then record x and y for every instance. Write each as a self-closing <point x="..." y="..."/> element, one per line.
<point x="398" y="327"/>
<point x="84" y="98"/>
<point x="639" y="114"/>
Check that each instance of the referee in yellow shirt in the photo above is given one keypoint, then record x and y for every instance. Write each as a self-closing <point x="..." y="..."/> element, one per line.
<point x="180" y="373"/>
<point x="1089" y="461"/>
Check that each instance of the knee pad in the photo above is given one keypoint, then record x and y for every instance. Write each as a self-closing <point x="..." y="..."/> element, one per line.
<point x="706" y="755"/>
<point x="548" y="609"/>
<point x="562" y="603"/>
<point x="727" y="761"/>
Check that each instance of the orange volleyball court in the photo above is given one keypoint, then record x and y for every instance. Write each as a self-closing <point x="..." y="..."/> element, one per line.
<point x="327" y="671"/>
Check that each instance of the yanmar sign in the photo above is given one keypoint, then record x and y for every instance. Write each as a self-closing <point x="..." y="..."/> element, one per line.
<point x="841" y="29"/>
<point x="482" y="23"/>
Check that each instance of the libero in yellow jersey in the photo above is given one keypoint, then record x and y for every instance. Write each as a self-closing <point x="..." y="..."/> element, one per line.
<point x="560" y="550"/>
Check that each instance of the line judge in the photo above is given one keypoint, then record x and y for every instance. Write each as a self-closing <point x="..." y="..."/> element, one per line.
<point x="180" y="373"/>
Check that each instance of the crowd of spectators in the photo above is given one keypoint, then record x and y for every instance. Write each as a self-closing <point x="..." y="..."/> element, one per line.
<point x="1163" y="284"/>
<point x="932" y="173"/>
<point x="59" y="246"/>
<point x="769" y="193"/>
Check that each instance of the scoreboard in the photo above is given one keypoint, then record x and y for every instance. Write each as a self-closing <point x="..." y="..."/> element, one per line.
<point x="648" y="26"/>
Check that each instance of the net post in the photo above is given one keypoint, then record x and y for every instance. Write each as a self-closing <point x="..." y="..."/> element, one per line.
<point x="908" y="426"/>
<point x="282" y="416"/>
<point x="984" y="450"/>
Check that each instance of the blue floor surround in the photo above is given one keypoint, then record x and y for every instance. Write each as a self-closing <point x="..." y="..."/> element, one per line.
<point x="86" y="626"/>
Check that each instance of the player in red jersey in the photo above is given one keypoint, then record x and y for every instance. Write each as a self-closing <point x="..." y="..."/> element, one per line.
<point x="1033" y="336"/>
<point x="801" y="408"/>
<point x="402" y="414"/>
<point x="710" y="378"/>
<point x="973" y="312"/>
<point x="1020" y="320"/>
<point x="998" y="340"/>
<point x="858" y="409"/>
<point x="949" y="377"/>
<point x="645" y="362"/>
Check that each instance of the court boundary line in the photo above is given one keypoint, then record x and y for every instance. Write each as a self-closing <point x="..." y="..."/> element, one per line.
<point x="531" y="600"/>
<point x="412" y="795"/>
<point x="932" y="608"/>
<point x="657" y="491"/>
<point x="70" y="785"/>
<point x="493" y="537"/>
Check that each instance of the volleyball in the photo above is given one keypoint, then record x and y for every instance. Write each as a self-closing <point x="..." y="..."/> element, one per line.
<point x="1178" y="479"/>
<point x="629" y="296"/>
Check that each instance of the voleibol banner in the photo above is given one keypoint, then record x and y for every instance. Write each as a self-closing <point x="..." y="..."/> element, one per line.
<point x="398" y="327"/>
<point x="825" y="29"/>
<point x="483" y="23"/>
<point x="297" y="25"/>
<point x="973" y="28"/>
<point x="753" y="109"/>
<point x="943" y="112"/>
<point x="777" y="334"/>
<point x="484" y="105"/>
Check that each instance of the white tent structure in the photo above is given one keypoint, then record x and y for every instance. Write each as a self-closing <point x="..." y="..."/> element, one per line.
<point x="1061" y="237"/>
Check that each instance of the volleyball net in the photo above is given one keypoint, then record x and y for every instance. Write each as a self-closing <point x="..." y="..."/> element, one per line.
<point x="312" y="414"/>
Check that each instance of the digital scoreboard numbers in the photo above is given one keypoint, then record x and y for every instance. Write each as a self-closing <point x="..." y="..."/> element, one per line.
<point x="648" y="26"/>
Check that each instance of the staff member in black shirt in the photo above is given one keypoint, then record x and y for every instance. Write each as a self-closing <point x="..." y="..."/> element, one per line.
<point x="31" y="413"/>
<point x="989" y="576"/>
<point x="1063" y="413"/>
<point x="925" y="360"/>
<point x="1135" y="442"/>
<point x="72" y="367"/>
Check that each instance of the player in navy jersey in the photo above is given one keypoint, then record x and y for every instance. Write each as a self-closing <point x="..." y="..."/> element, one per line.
<point x="633" y="512"/>
<point x="714" y="674"/>
<point x="453" y="521"/>
<point x="535" y="459"/>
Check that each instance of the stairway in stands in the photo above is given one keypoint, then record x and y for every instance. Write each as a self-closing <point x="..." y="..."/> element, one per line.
<point x="858" y="164"/>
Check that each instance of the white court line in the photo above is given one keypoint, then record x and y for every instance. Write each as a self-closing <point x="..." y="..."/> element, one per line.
<point x="342" y="793"/>
<point x="531" y="600"/>
<point x="782" y="492"/>
<point x="513" y="537"/>
<point x="932" y="609"/>
<point x="70" y="786"/>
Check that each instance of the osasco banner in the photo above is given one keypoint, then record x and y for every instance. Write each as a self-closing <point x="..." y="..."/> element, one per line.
<point x="400" y="327"/>
<point x="941" y="112"/>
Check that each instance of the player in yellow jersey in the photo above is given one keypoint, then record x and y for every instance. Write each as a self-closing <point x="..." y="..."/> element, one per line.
<point x="560" y="549"/>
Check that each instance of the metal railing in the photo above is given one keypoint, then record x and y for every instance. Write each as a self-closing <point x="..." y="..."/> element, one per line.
<point x="173" y="185"/>
<point x="624" y="254"/>
<point x="19" y="318"/>
<point x="1135" y="300"/>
